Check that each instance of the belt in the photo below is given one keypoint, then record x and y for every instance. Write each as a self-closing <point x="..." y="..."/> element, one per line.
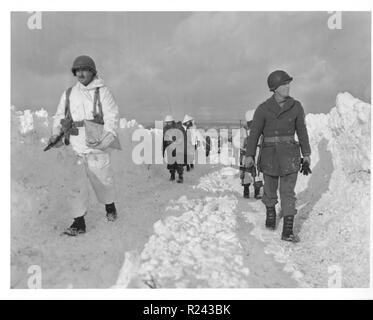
<point x="279" y="139"/>
<point x="79" y="123"/>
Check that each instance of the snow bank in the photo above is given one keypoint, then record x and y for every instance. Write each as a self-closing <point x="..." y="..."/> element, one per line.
<point x="221" y="181"/>
<point x="334" y="218"/>
<point x="123" y="123"/>
<point x="344" y="134"/>
<point x="197" y="249"/>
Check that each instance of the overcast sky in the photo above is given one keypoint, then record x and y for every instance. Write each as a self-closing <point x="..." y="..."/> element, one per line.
<point x="212" y="65"/>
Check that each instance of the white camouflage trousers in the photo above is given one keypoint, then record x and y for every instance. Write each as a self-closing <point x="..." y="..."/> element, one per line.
<point x="92" y="169"/>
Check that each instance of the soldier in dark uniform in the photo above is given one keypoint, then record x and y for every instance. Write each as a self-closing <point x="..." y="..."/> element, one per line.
<point x="169" y="122"/>
<point x="173" y="133"/>
<point x="190" y="143"/>
<point x="208" y="146"/>
<point x="278" y="119"/>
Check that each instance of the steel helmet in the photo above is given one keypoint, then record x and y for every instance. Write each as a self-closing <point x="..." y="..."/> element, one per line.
<point x="84" y="62"/>
<point x="278" y="78"/>
<point x="187" y="118"/>
<point x="169" y="118"/>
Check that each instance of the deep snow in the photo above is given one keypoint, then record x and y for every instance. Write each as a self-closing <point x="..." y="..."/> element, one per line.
<point x="202" y="233"/>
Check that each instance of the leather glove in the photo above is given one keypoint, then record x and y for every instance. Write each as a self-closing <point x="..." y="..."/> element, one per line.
<point x="102" y="144"/>
<point x="305" y="166"/>
<point x="53" y="138"/>
<point x="249" y="162"/>
<point x="307" y="159"/>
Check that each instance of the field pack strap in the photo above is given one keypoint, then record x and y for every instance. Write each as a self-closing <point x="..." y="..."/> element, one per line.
<point x="97" y="101"/>
<point x="67" y="104"/>
<point x="67" y="115"/>
<point x="99" y="117"/>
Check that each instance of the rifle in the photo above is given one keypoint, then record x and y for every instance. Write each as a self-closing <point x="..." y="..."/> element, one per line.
<point x="251" y="170"/>
<point x="68" y="128"/>
<point x="53" y="143"/>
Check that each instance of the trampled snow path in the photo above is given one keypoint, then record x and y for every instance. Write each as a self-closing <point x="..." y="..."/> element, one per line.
<point x="203" y="246"/>
<point x="254" y="212"/>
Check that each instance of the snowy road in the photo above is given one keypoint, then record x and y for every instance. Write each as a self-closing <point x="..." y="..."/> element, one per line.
<point x="198" y="234"/>
<point x="206" y="243"/>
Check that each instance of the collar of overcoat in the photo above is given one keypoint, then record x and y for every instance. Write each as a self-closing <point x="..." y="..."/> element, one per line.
<point x="275" y="108"/>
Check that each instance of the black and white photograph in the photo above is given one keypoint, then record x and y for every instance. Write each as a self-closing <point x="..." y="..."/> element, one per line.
<point x="190" y="149"/>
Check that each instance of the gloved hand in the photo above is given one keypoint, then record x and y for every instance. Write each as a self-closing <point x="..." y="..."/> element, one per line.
<point x="53" y="138"/>
<point x="105" y="142"/>
<point x="305" y="166"/>
<point x="249" y="162"/>
<point x="66" y="124"/>
<point x="307" y="159"/>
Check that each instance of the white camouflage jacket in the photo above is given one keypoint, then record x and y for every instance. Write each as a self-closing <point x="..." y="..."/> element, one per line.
<point x="81" y="108"/>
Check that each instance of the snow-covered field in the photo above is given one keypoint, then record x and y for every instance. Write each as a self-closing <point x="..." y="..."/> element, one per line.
<point x="201" y="233"/>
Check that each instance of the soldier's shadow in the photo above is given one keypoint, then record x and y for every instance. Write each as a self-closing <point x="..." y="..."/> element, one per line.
<point x="317" y="185"/>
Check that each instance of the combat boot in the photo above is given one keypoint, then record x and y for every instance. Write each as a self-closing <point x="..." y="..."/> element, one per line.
<point x="246" y="191"/>
<point x="172" y="178"/>
<point x="257" y="193"/>
<point x="271" y="218"/>
<point x="287" y="230"/>
<point x="77" y="227"/>
<point x="111" y="212"/>
<point x="181" y="179"/>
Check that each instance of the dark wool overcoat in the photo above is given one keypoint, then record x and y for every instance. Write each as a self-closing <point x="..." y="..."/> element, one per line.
<point x="271" y="120"/>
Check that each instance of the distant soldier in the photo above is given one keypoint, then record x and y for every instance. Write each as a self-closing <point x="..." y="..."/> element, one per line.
<point x="169" y="122"/>
<point x="278" y="119"/>
<point x="173" y="147"/>
<point x="191" y="141"/>
<point x="245" y="174"/>
<point x="208" y="146"/>
<point x="251" y="176"/>
<point x="219" y="142"/>
<point x="89" y="100"/>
